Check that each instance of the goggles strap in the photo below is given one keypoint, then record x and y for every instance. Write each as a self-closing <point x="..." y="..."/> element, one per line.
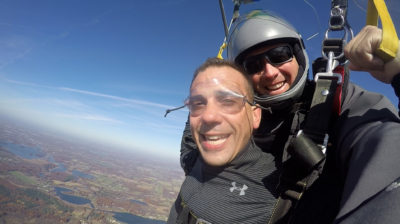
<point x="173" y="109"/>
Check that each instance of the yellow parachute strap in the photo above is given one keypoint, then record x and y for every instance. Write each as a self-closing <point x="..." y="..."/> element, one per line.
<point x="221" y="50"/>
<point x="390" y="42"/>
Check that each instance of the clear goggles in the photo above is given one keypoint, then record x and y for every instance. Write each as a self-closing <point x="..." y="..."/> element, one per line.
<point x="222" y="98"/>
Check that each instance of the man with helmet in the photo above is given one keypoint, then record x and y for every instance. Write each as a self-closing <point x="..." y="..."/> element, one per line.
<point x="280" y="42"/>
<point x="357" y="178"/>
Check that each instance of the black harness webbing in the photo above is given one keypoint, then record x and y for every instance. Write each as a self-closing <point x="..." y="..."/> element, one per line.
<point x="185" y="216"/>
<point x="321" y="109"/>
<point x="396" y="86"/>
<point x="306" y="149"/>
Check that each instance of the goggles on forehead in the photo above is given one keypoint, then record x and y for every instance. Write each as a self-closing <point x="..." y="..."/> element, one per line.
<point x="275" y="56"/>
<point x="224" y="101"/>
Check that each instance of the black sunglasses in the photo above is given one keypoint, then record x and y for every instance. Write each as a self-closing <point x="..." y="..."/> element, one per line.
<point x="275" y="56"/>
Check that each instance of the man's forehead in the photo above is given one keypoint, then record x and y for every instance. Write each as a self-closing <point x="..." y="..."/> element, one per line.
<point x="216" y="85"/>
<point x="223" y="78"/>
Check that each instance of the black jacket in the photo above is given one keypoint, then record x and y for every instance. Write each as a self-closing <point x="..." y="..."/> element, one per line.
<point x="362" y="164"/>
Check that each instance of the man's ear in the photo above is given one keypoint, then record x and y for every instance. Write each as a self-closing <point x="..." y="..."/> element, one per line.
<point x="256" y="116"/>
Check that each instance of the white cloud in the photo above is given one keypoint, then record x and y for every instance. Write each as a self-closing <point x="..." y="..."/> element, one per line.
<point x="11" y="58"/>
<point x="133" y="101"/>
<point x="91" y="117"/>
<point x="90" y="93"/>
<point x="75" y="104"/>
<point x="25" y="83"/>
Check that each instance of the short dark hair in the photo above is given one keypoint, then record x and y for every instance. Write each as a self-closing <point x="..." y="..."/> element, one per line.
<point x="217" y="62"/>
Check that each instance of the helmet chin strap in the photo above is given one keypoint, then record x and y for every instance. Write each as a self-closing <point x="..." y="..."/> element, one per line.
<point x="264" y="108"/>
<point x="300" y="72"/>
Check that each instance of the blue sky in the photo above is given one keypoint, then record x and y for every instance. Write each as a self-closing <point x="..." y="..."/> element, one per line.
<point x="108" y="70"/>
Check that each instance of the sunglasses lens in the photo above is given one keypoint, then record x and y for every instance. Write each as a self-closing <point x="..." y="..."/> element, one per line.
<point x="274" y="56"/>
<point x="279" y="55"/>
<point x="254" y="64"/>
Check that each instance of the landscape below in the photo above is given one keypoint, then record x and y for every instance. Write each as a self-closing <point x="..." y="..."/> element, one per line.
<point x="46" y="177"/>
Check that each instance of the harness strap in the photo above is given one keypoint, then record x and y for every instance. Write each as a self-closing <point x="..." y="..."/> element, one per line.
<point x="295" y="179"/>
<point x="396" y="86"/>
<point x="306" y="148"/>
<point x="185" y="215"/>
<point x="183" y="212"/>
<point x="288" y="199"/>
<point x="317" y="124"/>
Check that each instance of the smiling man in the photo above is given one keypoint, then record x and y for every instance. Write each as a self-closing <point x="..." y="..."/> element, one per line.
<point x="275" y="78"/>
<point x="233" y="179"/>
<point x="221" y="118"/>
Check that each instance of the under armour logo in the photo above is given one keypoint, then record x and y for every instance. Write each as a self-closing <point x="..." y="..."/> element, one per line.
<point x="241" y="189"/>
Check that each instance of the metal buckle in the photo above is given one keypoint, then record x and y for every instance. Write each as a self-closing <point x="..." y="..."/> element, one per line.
<point x="325" y="144"/>
<point x="330" y="66"/>
<point x="329" y="75"/>
<point x="342" y="25"/>
<point x="337" y="20"/>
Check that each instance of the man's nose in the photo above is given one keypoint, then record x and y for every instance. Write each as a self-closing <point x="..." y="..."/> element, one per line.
<point x="269" y="70"/>
<point x="211" y="113"/>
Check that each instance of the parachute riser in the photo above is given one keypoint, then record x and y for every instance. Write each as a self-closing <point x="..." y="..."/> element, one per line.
<point x="235" y="15"/>
<point x="333" y="48"/>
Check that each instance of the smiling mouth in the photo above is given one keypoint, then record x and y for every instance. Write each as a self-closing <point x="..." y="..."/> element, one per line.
<point x="276" y="86"/>
<point x="214" y="140"/>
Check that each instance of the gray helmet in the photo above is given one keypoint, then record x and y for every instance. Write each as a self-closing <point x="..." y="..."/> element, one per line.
<point x="260" y="28"/>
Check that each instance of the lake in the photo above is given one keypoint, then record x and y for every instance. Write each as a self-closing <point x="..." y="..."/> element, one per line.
<point x="71" y="198"/>
<point x="129" y="218"/>
<point x="120" y="216"/>
<point x="138" y="202"/>
<point x="26" y="152"/>
<point x="77" y="173"/>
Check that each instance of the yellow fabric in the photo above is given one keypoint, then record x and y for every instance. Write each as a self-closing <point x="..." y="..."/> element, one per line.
<point x="221" y="49"/>
<point x="390" y="42"/>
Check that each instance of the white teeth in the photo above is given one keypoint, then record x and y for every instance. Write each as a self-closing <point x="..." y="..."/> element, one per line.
<point x="212" y="138"/>
<point x="276" y="86"/>
<point x="215" y="140"/>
